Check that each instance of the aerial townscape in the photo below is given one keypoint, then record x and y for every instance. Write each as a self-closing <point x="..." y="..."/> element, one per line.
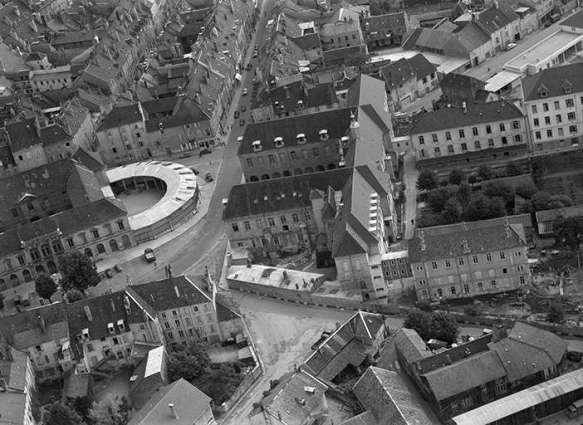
<point x="291" y="212"/>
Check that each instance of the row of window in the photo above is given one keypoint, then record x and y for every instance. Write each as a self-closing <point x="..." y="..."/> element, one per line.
<point x="558" y="118"/>
<point x="477" y="145"/>
<point x="477" y="274"/>
<point x="453" y="290"/>
<point x="475" y="132"/>
<point x="273" y="158"/>
<point x="462" y="261"/>
<point x="271" y="222"/>
<point x="265" y="243"/>
<point x="569" y="103"/>
<point x="561" y="143"/>
<point x="560" y="132"/>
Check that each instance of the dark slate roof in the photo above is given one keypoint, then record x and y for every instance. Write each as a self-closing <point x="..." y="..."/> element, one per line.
<point x="186" y="112"/>
<point x="157" y="106"/>
<point x="90" y="215"/>
<point x="103" y="310"/>
<point x="496" y="18"/>
<point x="421" y="66"/>
<point x="575" y="20"/>
<point x="397" y="73"/>
<point x="23" y="134"/>
<point x="551" y="215"/>
<point x="77" y="385"/>
<point x="440" y="242"/>
<point x="387" y="396"/>
<point x="337" y="122"/>
<point x="54" y="134"/>
<point x="455" y="117"/>
<point x="553" y="80"/>
<point x="249" y="199"/>
<point x="121" y="115"/>
<point x="528" y="350"/>
<point x="461" y="82"/>
<point x="170" y="293"/>
<point x="24" y="329"/>
<point x="89" y="159"/>
<point x="308" y="41"/>
<point x="469" y="373"/>
<point x="411" y="345"/>
<point x="390" y="21"/>
<point x="290" y="94"/>
<point x="225" y="314"/>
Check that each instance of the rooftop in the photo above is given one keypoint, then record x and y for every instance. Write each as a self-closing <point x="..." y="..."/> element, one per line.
<point x="553" y="82"/>
<point x="121" y="115"/>
<point x="271" y="276"/>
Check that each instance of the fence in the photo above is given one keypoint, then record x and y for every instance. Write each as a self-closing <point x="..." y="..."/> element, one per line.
<point x="247" y="382"/>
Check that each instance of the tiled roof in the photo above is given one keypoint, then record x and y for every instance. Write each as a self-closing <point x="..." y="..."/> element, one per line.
<point x="225" y="314"/>
<point x="455" y="117"/>
<point x="472" y="36"/>
<point x="496" y="18"/>
<point x="448" y="241"/>
<point x="77" y="385"/>
<point x="14" y="371"/>
<point x="461" y="82"/>
<point x="250" y="198"/>
<point x="551" y="215"/>
<point x="189" y="403"/>
<point x="123" y="115"/>
<point x="290" y="94"/>
<point x="308" y="41"/>
<point x="185" y="112"/>
<point x="89" y="159"/>
<point x="24" y="329"/>
<point x="443" y="42"/>
<point x="421" y="66"/>
<point x="23" y="134"/>
<point x="528" y="350"/>
<point x="54" y="134"/>
<point x="469" y="373"/>
<point x="554" y="81"/>
<point x="411" y="345"/>
<point x="335" y="121"/>
<point x="390" y="21"/>
<point x="171" y="293"/>
<point x="575" y="20"/>
<point x="388" y="397"/>
<point x="102" y="310"/>
<point x="397" y="73"/>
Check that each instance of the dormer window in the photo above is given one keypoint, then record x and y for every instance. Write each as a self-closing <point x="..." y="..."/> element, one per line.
<point x="278" y="142"/>
<point x="567" y="86"/>
<point x="110" y="328"/>
<point x="120" y="325"/>
<point x="567" y="89"/>
<point x="323" y="134"/>
<point x="300" y="104"/>
<point x="257" y="146"/>
<point x="301" y="138"/>
<point x="543" y="91"/>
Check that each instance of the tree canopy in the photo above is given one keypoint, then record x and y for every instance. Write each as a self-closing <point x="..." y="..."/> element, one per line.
<point x="438" y="325"/>
<point x="569" y="231"/>
<point x="45" y="287"/>
<point x="61" y="414"/>
<point x="485" y="172"/>
<point x="427" y="180"/>
<point x="110" y="411"/>
<point x="556" y="313"/>
<point x="188" y="363"/>
<point x="78" y="271"/>
<point x="456" y="176"/>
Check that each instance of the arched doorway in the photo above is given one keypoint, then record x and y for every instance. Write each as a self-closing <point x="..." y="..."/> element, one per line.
<point x="88" y="252"/>
<point x="331" y="166"/>
<point x="14" y="280"/>
<point x="320" y="168"/>
<point x="298" y="172"/>
<point x="265" y="177"/>
<point x="100" y="248"/>
<point x="287" y="173"/>
<point x="40" y="270"/>
<point x="126" y="241"/>
<point x="309" y="170"/>
<point x="52" y="267"/>
<point x="253" y="179"/>
<point x="26" y="275"/>
<point x="275" y="175"/>
<point x="113" y="245"/>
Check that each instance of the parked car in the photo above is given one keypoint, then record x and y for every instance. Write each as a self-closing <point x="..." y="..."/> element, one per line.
<point x="510" y="46"/>
<point x="149" y="255"/>
<point x="209" y="177"/>
<point x="194" y="170"/>
<point x="243" y="108"/>
<point x="236" y="114"/>
<point x="256" y="53"/>
<point x="241" y="123"/>
<point x="245" y="92"/>
<point x="205" y="151"/>
<point x="249" y="67"/>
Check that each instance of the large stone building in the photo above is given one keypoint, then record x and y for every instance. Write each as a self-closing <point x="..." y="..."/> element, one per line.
<point x="469" y="259"/>
<point x="470" y="133"/>
<point x="19" y="387"/>
<point x="553" y="99"/>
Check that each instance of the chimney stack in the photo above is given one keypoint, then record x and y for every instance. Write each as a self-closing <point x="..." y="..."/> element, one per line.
<point x="88" y="313"/>
<point x="172" y="410"/>
<point x="465" y="106"/>
<point x="42" y="323"/>
<point x="176" y="291"/>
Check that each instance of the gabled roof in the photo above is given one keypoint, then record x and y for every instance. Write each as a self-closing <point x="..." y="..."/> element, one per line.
<point x="389" y="398"/>
<point x="496" y="18"/>
<point x="308" y="42"/>
<point x="455" y="117"/>
<point x="25" y="329"/>
<point x="89" y="159"/>
<point x="170" y="293"/>
<point x="121" y="115"/>
<point x="461" y="82"/>
<point x="23" y="134"/>
<point x="456" y="240"/>
<point x="575" y="20"/>
<point x="264" y="197"/>
<point x="388" y="22"/>
<point x="551" y="215"/>
<point x="411" y="345"/>
<point x="189" y="404"/>
<point x="556" y="81"/>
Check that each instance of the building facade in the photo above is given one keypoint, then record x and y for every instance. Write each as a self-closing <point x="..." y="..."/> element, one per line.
<point x="468" y="259"/>
<point x="553" y="100"/>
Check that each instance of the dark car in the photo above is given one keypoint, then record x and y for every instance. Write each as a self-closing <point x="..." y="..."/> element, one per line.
<point x="149" y="255"/>
<point x="241" y="123"/>
<point x="205" y="151"/>
<point x="249" y="67"/>
<point x="194" y="170"/>
<point x="245" y="92"/>
<point x="209" y="177"/>
<point x="236" y="114"/>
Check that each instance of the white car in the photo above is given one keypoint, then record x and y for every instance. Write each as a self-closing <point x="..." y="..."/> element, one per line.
<point x="245" y="92"/>
<point x="510" y="46"/>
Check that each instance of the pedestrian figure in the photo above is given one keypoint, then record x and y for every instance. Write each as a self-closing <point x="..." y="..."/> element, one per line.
<point x="166" y="270"/>
<point x="412" y="221"/>
<point x="169" y="270"/>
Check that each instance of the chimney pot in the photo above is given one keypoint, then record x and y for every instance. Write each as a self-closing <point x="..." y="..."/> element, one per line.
<point x="172" y="410"/>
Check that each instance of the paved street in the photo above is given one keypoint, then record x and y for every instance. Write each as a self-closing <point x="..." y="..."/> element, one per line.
<point x="410" y="180"/>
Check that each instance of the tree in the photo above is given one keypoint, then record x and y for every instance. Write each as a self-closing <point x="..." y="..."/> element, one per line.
<point x="188" y="363"/>
<point x="60" y="414"/>
<point x="569" y="231"/>
<point x="419" y="321"/>
<point x="78" y="271"/>
<point x="526" y="190"/>
<point x="82" y="406"/>
<point x="110" y="411"/>
<point x="456" y="177"/>
<point x="559" y="201"/>
<point x="499" y="188"/>
<point x="444" y="327"/>
<point x="73" y="295"/>
<point x="427" y="180"/>
<point x="556" y="313"/>
<point x="452" y="211"/>
<point x="437" y="198"/>
<point x="464" y="194"/>
<point x="481" y="208"/>
<point x="513" y="169"/>
<point x="540" y="200"/>
<point x="485" y="172"/>
<point x="45" y="287"/>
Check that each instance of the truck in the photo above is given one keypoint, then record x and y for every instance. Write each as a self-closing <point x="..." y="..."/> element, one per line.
<point x="574" y="410"/>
